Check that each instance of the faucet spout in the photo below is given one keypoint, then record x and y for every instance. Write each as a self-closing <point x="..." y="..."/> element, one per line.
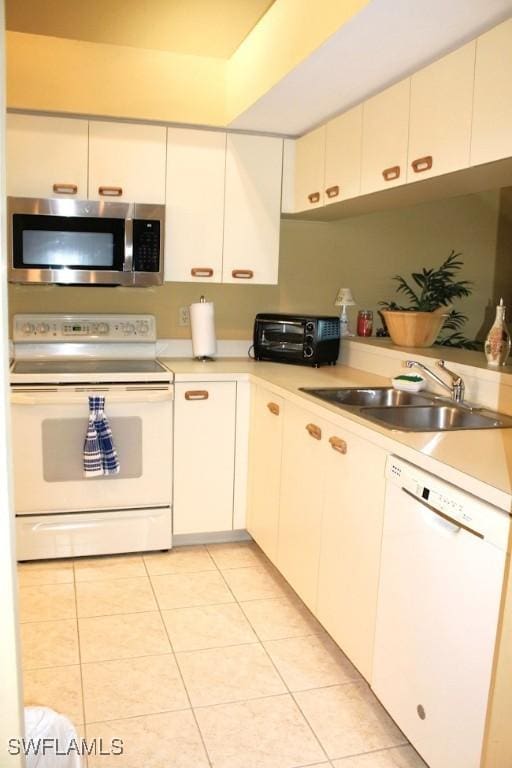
<point x="456" y="389"/>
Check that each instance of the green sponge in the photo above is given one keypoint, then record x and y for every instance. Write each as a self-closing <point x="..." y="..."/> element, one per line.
<point x="408" y="378"/>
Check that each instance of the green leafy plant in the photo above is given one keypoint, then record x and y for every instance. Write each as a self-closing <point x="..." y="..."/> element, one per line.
<point x="430" y="290"/>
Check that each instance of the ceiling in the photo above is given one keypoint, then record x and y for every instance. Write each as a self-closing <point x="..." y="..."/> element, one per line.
<point x="383" y="43"/>
<point x="196" y="27"/>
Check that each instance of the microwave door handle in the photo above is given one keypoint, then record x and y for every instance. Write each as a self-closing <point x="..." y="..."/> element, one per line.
<point x="128" y="245"/>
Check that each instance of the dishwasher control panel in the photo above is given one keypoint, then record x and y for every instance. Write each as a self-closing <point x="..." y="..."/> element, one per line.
<point x="452" y="503"/>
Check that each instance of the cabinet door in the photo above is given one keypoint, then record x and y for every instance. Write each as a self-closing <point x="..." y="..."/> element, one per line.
<point x="46" y="156"/>
<point x="252" y="214"/>
<point x="343" y="156"/>
<point x="204" y="453"/>
<point x="352" y="519"/>
<point x="492" y="109"/>
<point x="194" y="213"/>
<point x="300" y="514"/>
<point x="440" y="119"/>
<point x="309" y="170"/>
<point x="265" y="474"/>
<point x="385" y="132"/>
<point x="127" y="162"/>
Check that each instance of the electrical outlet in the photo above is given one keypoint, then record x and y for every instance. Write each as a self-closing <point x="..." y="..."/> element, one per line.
<point x="184" y="316"/>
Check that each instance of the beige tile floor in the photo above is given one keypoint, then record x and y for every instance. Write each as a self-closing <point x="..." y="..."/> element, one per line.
<point x="199" y="657"/>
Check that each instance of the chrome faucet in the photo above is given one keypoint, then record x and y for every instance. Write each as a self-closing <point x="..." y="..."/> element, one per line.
<point x="456" y="389"/>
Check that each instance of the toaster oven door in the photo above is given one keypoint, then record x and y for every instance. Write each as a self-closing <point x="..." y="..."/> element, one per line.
<point x="281" y="339"/>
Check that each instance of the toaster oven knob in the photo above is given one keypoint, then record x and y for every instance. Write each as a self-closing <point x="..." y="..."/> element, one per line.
<point x="310" y="327"/>
<point x="309" y="340"/>
<point x="308" y="352"/>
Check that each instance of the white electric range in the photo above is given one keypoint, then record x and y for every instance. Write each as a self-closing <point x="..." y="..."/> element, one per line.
<point x="59" y="361"/>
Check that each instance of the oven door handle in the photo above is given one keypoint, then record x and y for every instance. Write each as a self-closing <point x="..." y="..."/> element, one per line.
<point x="61" y="397"/>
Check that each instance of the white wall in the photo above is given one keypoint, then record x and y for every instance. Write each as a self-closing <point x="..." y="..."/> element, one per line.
<point x="10" y="669"/>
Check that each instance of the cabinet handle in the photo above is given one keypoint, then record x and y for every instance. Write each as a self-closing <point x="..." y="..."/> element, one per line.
<point x="337" y="444"/>
<point x="314" y="431"/>
<point x="332" y="191"/>
<point x="273" y="408"/>
<point x="110" y="191"/>
<point x="196" y="394"/>
<point x="422" y="164"/>
<point x="314" y="197"/>
<point x="201" y="272"/>
<point x="243" y="274"/>
<point x="392" y="173"/>
<point x="65" y="189"/>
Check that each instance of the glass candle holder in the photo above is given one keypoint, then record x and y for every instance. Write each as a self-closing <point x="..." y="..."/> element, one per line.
<point x="364" y="322"/>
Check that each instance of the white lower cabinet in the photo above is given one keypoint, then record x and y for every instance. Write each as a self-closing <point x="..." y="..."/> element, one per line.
<point x="302" y="478"/>
<point x="265" y="469"/>
<point x="204" y="456"/>
<point x="352" y="520"/>
<point x="316" y="509"/>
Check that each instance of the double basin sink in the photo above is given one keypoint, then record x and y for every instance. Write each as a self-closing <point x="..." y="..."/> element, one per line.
<point x="410" y="411"/>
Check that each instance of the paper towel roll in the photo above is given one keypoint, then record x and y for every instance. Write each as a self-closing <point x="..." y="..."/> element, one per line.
<point x="202" y="321"/>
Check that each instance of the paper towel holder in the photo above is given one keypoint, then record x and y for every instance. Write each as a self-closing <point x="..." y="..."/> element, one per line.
<point x="203" y="358"/>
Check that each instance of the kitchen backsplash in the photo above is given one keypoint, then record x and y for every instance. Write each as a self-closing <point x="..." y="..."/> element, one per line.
<point x="316" y="258"/>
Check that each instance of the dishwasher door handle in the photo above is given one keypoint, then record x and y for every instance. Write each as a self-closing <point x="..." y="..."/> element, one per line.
<point x="456" y="523"/>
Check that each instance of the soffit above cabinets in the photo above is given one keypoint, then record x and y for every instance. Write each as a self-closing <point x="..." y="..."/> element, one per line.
<point x="383" y="43"/>
<point x="196" y="27"/>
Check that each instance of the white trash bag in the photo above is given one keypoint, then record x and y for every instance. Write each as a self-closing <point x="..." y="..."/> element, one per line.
<point x="51" y="740"/>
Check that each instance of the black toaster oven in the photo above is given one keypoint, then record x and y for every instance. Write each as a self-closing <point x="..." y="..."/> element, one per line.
<point x="303" y="339"/>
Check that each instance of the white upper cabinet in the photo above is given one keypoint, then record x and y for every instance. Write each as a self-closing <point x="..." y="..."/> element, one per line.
<point x="309" y="170"/>
<point x="492" y="109"/>
<point x="385" y="133"/>
<point x="46" y="156"/>
<point x="252" y="214"/>
<point x="127" y="162"/>
<point x="194" y="214"/>
<point x="343" y="135"/>
<point x="440" y="117"/>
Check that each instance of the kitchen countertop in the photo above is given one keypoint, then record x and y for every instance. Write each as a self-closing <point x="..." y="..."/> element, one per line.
<point x="480" y="461"/>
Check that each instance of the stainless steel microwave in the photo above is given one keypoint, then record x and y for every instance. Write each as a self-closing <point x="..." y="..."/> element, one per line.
<point x="82" y="242"/>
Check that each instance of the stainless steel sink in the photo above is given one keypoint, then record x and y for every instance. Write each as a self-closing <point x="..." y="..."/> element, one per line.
<point x="376" y="396"/>
<point x="409" y="411"/>
<point x="434" y="418"/>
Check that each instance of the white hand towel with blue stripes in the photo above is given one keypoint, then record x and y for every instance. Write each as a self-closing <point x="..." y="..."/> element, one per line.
<point x="100" y="455"/>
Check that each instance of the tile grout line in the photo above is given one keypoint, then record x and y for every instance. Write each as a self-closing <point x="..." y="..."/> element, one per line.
<point x="86" y="763"/>
<point x="209" y="759"/>
<point x="313" y="733"/>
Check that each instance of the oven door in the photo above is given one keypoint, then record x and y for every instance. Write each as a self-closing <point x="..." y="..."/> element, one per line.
<point x="48" y="430"/>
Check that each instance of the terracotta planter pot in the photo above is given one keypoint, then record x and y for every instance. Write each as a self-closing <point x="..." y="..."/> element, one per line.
<point x="414" y="329"/>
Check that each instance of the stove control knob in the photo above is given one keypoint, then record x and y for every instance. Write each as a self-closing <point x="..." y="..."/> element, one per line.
<point x="28" y="328"/>
<point x="103" y="328"/>
<point x="143" y="327"/>
<point x="43" y="328"/>
<point x="129" y="329"/>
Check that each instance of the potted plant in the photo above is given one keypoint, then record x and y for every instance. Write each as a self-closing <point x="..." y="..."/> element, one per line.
<point x="419" y="324"/>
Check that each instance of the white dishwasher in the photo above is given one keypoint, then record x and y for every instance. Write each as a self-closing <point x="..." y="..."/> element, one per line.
<point x="442" y="567"/>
